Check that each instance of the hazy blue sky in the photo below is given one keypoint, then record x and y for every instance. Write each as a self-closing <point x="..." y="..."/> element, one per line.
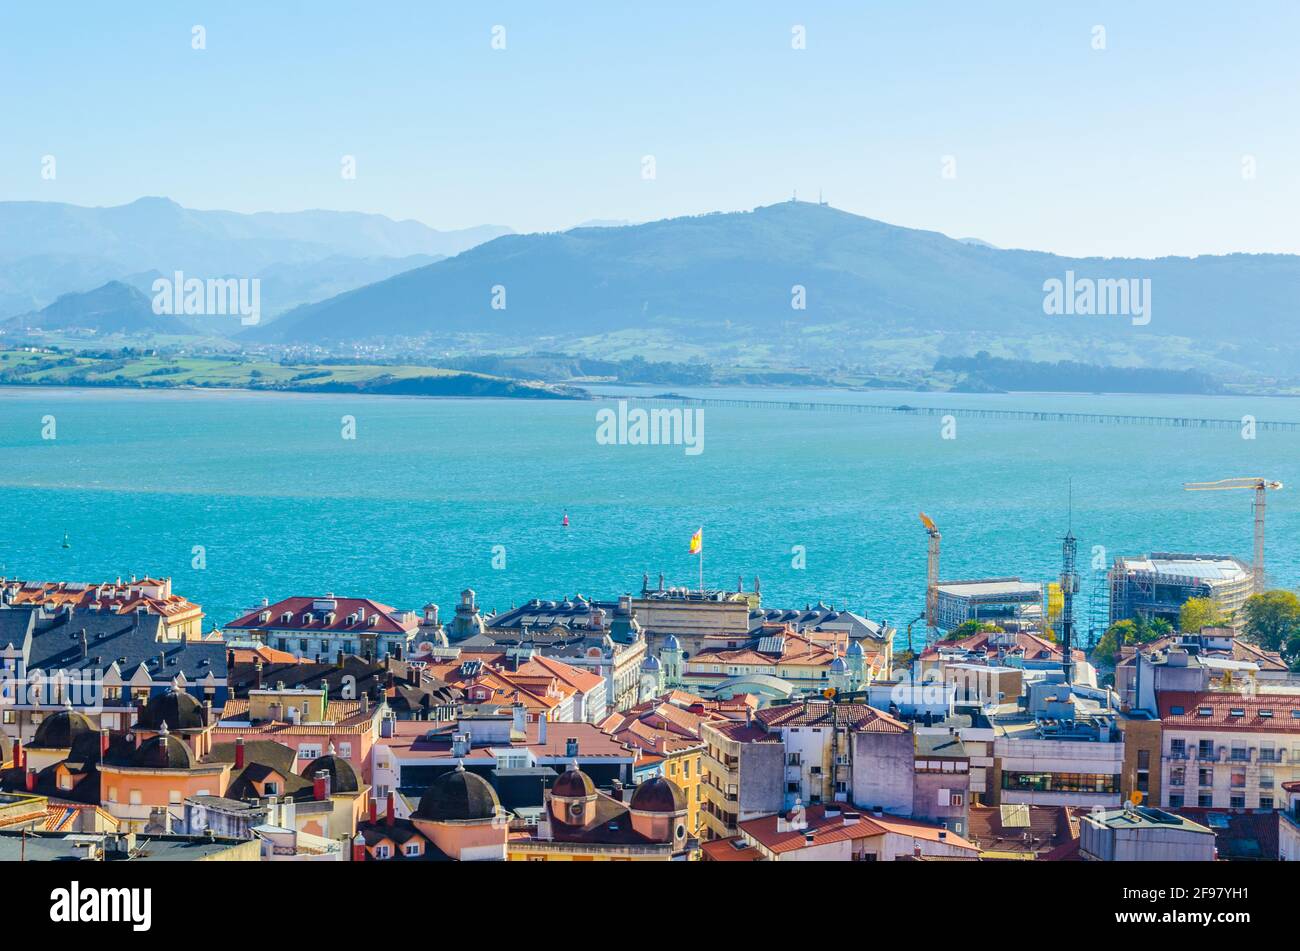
<point x="1136" y="149"/>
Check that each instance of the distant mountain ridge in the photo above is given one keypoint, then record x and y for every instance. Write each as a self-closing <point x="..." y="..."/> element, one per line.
<point x="113" y="308"/>
<point x="50" y="248"/>
<point x="729" y="281"/>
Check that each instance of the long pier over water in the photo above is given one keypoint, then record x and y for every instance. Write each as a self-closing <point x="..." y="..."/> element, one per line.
<point x="1114" y="419"/>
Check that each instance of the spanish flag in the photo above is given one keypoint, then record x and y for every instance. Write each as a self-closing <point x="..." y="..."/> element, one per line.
<point x="697" y="541"/>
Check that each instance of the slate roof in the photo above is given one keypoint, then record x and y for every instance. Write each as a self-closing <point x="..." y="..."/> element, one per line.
<point x="128" y="641"/>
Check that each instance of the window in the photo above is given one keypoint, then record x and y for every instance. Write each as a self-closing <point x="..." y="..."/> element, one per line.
<point x="174" y="796"/>
<point x="1178" y="776"/>
<point x="308" y="752"/>
<point x="1205" y="800"/>
<point x="686" y="769"/>
<point x="1144" y="759"/>
<point x="1266" y="802"/>
<point x="1175" y="802"/>
<point x="1265" y="779"/>
<point x="1178" y="749"/>
<point x="136" y="797"/>
<point x="1238" y="778"/>
<point x="412" y="848"/>
<point x="112" y="794"/>
<point x="271" y="787"/>
<point x="1062" y="782"/>
<point x="1237" y="802"/>
<point x="1176" y="711"/>
<point x="381" y="851"/>
<point x="1205" y="777"/>
<point x="345" y="750"/>
<point x="1205" y="750"/>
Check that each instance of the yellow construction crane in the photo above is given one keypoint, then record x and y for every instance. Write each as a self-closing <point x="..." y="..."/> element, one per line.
<point x="931" y="574"/>
<point x="1261" y="487"/>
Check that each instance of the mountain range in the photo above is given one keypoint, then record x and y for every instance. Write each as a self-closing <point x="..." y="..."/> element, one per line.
<point x="729" y="285"/>
<point x="789" y="285"/>
<point x="48" y="249"/>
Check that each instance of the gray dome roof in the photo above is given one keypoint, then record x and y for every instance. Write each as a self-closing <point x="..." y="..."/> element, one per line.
<point x="671" y="643"/>
<point x="658" y="795"/>
<point x="458" y="796"/>
<point x="855" y="649"/>
<point x="573" y="784"/>
<point x="651" y="663"/>
<point x="174" y="707"/>
<point x="162" y="752"/>
<point x="838" y="666"/>
<point x="59" y="731"/>
<point x="343" y="776"/>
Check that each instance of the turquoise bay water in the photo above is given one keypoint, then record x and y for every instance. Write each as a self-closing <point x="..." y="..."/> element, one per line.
<point x="410" y="510"/>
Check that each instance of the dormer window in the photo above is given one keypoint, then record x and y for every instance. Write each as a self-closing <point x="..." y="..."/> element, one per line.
<point x="1237" y="712"/>
<point x="286" y="617"/>
<point x="264" y="616"/>
<point x="1205" y="712"/>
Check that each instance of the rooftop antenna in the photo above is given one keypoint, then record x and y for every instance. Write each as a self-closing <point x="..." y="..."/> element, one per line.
<point x="1069" y="586"/>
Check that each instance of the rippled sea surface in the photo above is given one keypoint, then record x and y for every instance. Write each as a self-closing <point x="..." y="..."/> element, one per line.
<point x="410" y="510"/>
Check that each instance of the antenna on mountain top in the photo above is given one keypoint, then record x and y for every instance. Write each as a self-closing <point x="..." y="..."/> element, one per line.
<point x="820" y="200"/>
<point x="794" y="196"/>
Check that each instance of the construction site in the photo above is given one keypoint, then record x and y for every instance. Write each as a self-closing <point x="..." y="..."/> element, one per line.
<point x="1152" y="586"/>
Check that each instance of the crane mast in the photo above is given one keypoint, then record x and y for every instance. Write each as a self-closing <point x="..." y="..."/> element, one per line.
<point x="1261" y="487"/>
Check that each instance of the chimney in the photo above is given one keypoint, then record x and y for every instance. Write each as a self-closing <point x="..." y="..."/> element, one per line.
<point x="390" y="815"/>
<point x="365" y="701"/>
<point x="339" y="660"/>
<point x="103" y="743"/>
<point x="541" y="730"/>
<point x="257" y="674"/>
<point x="616" y="790"/>
<point x="358" y="848"/>
<point x="571" y="747"/>
<point x="31" y="780"/>
<point x="321" y="785"/>
<point x="519" y="722"/>
<point x="374" y="811"/>
<point x="239" y="752"/>
<point x="386" y="726"/>
<point x="18" y="753"/>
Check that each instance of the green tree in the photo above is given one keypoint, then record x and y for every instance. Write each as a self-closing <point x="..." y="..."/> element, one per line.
<point x="1197" y="614"/>
<point x="967" y="628"/>
<point x="1272" y="618"/>
<point x="1126" y="633"/>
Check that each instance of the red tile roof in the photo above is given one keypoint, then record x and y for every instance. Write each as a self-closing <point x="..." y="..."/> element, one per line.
<point x="1284" y="710"/>
<point x="390" y="622"/>
<point x="1034" y="646"/>
<point x="725" y="850"/>
<point x="855" y="716"/>
<point x="827" y="829"/>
